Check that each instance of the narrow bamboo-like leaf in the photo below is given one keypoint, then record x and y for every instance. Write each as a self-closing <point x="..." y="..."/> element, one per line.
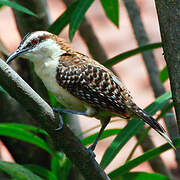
<point x="141" y="176"/>
<point x="107" y="133"/>
<point x="17" y="171"/>
<point x="17" y="7"/>
<point x="62" y="21"/>
<point x="2" y="90"/>
<point x="25" y="136"/>
<point x="53" y="100"/>
<point x="121" y="139"/>
<point x="145" y="157"/>
<point x="78" y="15"/>
<point x="130" y="53"/>
<point x="163" y="75"/>
<point x="41" y="171"/>
<point x="57" y="163"/>
<point x="66" y="169"/>
<point x="111" y="9"/>
<point x="25" y="127"/>
<point x="132" y="127"/>
<point x="60" y="165"/>
<point x="55" y="166"/>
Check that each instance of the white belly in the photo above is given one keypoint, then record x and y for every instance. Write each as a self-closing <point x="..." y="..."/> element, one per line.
<point x="47" y="73"/>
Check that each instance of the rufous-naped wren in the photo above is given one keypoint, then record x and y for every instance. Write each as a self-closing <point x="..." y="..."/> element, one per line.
<point x="79" y="82"/>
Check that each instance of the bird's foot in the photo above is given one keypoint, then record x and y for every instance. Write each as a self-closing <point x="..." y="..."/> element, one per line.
<point x="61" y="122"/>
<point x="93" y="155"/>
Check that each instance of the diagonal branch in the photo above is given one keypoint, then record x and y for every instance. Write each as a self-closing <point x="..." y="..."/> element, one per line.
<point x="62" y="140"/>
<point x="169" y="15"/>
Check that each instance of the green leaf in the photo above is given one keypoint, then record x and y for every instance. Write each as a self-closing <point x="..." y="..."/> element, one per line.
<point x="121" y="139"/>
<point x="55" y="166"/>
<point x="111" y="9"/>
<point x="148" y="155"/>
<point x="130" y="53"/>
<point x="78" y="15"/>
<point x="53" y="100"/>
<point x="66" y="169"/>
<point x="41" y="171"/>
<point x="24" y="136"/>
<point x="2" y="90"/>
<point x="60" y="165"/>
<point x="141" y="176"/>
<point x="163" y="75"/>
<point x="107" y="133"/>
<point x="63" y="20"/>
<point x="131" y="128"/>
<point x="159" y="103"/>
<point x="17" y="7"/>
<point x="17" y="171"/>
<point x="25" y="127"/>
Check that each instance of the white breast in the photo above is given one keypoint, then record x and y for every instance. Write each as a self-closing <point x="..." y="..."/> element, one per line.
<point x="47" y="72"/>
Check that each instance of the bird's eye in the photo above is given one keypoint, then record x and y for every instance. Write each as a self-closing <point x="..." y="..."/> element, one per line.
<point x="34" y="42"/>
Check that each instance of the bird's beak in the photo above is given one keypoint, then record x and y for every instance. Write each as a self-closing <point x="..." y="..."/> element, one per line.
<point x="16" y="54"/>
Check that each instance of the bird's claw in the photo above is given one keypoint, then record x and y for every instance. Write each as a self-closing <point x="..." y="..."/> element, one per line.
<point x="93" y="155"/>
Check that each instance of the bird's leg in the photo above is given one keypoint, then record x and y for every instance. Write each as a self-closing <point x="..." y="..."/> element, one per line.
<point x="68" y="111"/>
<point x="61" y="122"/>
<point x="105" y="123"/>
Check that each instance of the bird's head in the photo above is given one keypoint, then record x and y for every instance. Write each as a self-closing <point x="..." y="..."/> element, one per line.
<point x="37" y="46"/>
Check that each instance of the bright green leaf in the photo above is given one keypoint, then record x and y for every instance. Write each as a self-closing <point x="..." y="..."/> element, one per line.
<point x="53" y="100"/>
<point x="17" y="7"/>
<point x="78" y="15"/>
<point x="66" y="169"/>
<point x="2" y="90"/>
<point x="107" y="133"/>
<point x="141" y="176"/>
<point x="55" y="166"/>
<point x="41" y="171"/>
<point x="17" y="171"/>
<point x="163" y="75"/>
<point x="25" y="127"/>
<point x="148" y="155"/>
<point x="60" y="165"/>
<point x="24" y="136"/>
<point x="121" y="139"/>
<point x="111" y="8"/>
<point x="62" y="21"/>
<point x="130" y="53"/>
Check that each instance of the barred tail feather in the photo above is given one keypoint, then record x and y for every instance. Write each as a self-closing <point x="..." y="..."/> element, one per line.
<point x="154" y="124"/>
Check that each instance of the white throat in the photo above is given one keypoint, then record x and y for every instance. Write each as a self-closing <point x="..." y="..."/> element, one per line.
<point x="45" y="51"/>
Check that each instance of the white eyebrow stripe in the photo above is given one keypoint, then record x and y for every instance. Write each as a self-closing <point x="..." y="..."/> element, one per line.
<point x="34" y="36"/>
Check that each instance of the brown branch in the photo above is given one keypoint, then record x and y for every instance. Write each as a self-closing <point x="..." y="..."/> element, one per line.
<point x="153" y="73"/>
<point x="62" y="140"/>
<point x="169" y="15"/>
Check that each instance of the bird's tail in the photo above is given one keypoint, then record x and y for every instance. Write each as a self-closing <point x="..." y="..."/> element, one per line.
<point x="154" y="124"/>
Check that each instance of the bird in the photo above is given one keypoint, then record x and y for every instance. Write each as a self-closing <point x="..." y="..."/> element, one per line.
<point x="80" y="83"/>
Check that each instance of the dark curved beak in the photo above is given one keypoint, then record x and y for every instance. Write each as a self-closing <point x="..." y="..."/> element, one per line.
<point x="16" y="54"/>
